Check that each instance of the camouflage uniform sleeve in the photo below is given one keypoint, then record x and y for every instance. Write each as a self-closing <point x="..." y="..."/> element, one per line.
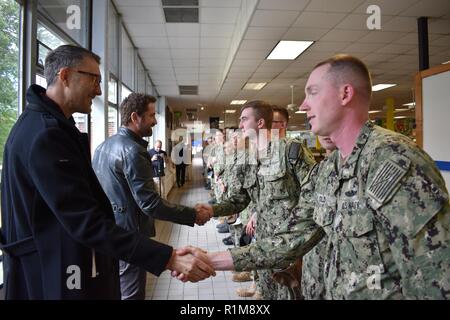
<point x="294" y="238"/>
<point x="237" y="198"/>
<point x="409" y="197"/>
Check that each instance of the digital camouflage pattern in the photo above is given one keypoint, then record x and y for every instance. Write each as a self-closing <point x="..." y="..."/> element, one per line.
<point x="385" y="212"/>
<point x="271" y="184"/>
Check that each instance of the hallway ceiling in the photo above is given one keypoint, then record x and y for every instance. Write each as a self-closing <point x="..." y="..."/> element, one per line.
<point x="228" y="47"/>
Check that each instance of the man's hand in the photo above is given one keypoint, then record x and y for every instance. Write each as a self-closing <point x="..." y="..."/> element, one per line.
<point x="155" y="157"/>
<point x="251" y="226"/>
<point x="204" y="213"/>
<point x="192" y="263"/>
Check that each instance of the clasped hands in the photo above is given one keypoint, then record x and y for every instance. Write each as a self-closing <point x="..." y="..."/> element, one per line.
<point x="190" y="264"/>
<point x="204" y="213"/>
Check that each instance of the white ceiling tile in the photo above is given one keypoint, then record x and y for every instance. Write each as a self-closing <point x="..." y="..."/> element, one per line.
<point x="359" y="21"/>
<point x="363" y="47"/>
<point x="162" y="63"/>
<point x="210" y="70"/>
<point x="146" y="29"/>
<point x="182" y="63"/>
<point x="265" y="33"/>
<point x="263" y="45"/>
<point x="167" y="90"/>
<point x="151" y="42"/>
<point x="162" y="72"/>
<point x="440" y="26"/>
<point x="187" y="79"/>
<point x="216" y="30"/>
<point x="311" y="34"/>
<point x="376" y="36"/>
<point x="142" y="14"/>
<point x="214" y="43"/>
<point x="273" y="18"/>
<point x="282" y="4"/>
<point x="266" y="74"/>
<point x="183" y="29"/>
<point x="163" y="82"/>
<point x="185" y="53"/>
<point x="154" y="53"/>
<point x="333" y="6"/>
<point x="428" y="8"/>
<point x="220" y="3"/>
<point x="443" y="41"/>
<point x="186" y="70"/>
<point x="387" y="7"/>
<point x="405" y="24"/>
<point x="235" y="75"/>
<point x="212" y="62"/>
<point x="241" y="68"/>
<point x="213" y="53"/>
<point x="218" y="15"/>
<point x="344" y="35"/>
<point x="184" y="42"/>
<point x="251" y="54"/>
<point x="246" y="62"/>
<point x="328" y="46"/>
<point x="396" y="48"/>
<point x="322" y="20"/>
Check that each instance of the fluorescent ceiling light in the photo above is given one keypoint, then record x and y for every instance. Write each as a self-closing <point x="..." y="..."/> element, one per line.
<point x="382" y="86"/>
<point x="409" y="104"/>
<point x="230" y="111"/>
<point x="375" y="111"/>
<point x="254" y="86"/>
<point x="238" y="101"/>
<point x="288" y="50"/>
<point x="221" y="121"/>
<point x="301" y="112"/>
<point x="446" y="62"/>
<point x="401" y="117"/>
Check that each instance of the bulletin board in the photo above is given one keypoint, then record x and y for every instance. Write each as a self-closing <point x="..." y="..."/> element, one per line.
<point x="433" y="115"/>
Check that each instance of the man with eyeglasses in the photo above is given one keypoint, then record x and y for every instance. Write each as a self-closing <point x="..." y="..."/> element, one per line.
<point x="59" y="234"/>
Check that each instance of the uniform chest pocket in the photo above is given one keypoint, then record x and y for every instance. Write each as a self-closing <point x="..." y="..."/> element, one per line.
<point x="276" y="186"/>
<point x="358" y="224"/>
<point x="323" y="214"/>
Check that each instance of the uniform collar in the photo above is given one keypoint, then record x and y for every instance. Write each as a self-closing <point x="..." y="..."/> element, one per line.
<point x="348" y="169"/>
<point x="129" y="133"/>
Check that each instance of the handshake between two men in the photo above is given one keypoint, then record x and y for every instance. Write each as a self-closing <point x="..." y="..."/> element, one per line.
<point x="190" y="263"/>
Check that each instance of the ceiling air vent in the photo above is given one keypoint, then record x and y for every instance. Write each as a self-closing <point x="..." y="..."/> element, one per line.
<point x="177" y="11"/>
<point x="188" y="90"/>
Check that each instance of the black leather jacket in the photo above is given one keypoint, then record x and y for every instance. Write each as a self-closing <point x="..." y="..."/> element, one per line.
<point x="124" y="169"/>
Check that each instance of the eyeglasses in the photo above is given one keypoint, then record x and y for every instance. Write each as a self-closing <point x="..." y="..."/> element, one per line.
<point x="97" y="77"/>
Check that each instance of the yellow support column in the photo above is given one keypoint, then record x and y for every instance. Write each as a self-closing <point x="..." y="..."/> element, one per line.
<point x="390" y="114"/>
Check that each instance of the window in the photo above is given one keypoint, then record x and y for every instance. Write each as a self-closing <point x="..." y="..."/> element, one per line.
<point x="127" y="60"/>
<point x="9" y="69"/>
<point x="112" y="106"/>
<point x="68" y="15"/>
<point x="48" y="40"/>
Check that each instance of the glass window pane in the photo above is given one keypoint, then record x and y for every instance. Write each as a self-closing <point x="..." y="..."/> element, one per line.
<point x="127" y="60"/>
<point x="112" y="121"/>
<point x="113" y="41"/>
<point x="125" y="92"/>
<point x="141" y="78"/>
<point x="112" y="90"/>
<point x="9" y="75"/>
<point x="47" y="41"/>
<point x="69" y="15"/>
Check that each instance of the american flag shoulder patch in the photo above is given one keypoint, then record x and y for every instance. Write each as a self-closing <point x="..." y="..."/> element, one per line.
<point x="385" y="180"/>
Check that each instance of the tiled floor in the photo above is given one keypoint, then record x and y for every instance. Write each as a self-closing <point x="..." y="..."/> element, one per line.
<point x="167" y="288"/>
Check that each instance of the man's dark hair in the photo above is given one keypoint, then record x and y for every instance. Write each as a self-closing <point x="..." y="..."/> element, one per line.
<point x="347" y="68"/>
<point x="261" y="110"/>
<point x="135" y="102"/>
<point x="282" y="111"/>
<point x="66" y="56"/>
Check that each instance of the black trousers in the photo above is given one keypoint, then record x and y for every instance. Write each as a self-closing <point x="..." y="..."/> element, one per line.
<point x="180" y="170"/>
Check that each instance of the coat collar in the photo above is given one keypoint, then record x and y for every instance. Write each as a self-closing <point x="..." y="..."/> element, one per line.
<point x="349" y="167"/>
<point x="124" y="131"/>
